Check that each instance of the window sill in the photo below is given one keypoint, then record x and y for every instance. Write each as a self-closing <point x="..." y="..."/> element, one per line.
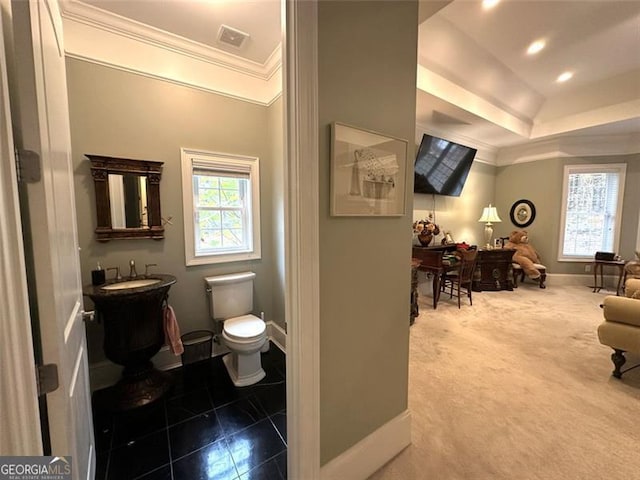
<point x="223" y="258"/>
<point x="577" y="260"/>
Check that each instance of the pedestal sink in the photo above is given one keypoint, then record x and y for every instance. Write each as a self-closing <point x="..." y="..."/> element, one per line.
<point x="132" y="314"/>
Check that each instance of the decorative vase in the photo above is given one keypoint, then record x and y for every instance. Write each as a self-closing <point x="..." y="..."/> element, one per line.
<point x="425" y="239"/>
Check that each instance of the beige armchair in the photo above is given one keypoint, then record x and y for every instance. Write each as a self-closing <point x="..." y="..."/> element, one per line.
<point x="621" y="327"/>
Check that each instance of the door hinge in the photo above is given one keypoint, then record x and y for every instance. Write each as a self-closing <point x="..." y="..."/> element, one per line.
<point x="47" y="378"/>
<point x="27" y="166"/>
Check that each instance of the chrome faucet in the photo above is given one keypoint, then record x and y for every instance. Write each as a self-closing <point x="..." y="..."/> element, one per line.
<point x="118" y="277"/>
<point x="132" y="269"/>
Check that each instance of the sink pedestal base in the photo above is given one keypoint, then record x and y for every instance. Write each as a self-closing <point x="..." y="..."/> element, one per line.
<point x="133" y="316"/>
<point x="139" y="387"/>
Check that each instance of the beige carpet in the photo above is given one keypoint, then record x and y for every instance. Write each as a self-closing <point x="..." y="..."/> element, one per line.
<point x="518" y="387"/>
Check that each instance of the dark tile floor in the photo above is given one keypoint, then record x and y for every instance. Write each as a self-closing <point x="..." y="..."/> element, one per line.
<point x="204" y="429"/>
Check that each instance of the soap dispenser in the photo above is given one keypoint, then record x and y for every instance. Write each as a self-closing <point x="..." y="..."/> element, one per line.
<point x="98" y="276"/>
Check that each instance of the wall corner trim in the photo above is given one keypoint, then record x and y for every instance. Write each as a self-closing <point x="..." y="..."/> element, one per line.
<point x="302" y="249"/>
<point x="372" y="452"/>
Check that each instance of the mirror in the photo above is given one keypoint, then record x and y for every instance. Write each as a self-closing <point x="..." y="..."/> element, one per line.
<point x="127" y="198"/>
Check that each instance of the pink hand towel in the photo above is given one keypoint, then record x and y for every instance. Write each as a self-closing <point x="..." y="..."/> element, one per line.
<point x="172" y="331"/>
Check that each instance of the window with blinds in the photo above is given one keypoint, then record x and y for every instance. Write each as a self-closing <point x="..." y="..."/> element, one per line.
<point x="591" y="210"/>
<point x="221" y="207"/>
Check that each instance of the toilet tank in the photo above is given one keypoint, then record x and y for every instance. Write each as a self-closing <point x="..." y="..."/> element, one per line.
<point x="230" y="295"/>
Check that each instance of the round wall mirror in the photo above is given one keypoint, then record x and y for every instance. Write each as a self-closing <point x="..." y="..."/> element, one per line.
<point x="523" y="213"/>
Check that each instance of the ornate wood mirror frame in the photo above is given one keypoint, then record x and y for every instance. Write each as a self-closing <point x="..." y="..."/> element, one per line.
<point x="101" y="169"/>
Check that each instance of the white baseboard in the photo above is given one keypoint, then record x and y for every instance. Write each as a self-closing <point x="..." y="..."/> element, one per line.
<point x="583" y="279"/>
<point x="568" y="279"/>
<point x="372" y="452"/>
<point x="105" y="373"/>
<point x="277" y="335"/>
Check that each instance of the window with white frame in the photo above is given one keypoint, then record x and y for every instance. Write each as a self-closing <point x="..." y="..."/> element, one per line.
<point x="221" y="202"/>
<point x="591" y="210"/>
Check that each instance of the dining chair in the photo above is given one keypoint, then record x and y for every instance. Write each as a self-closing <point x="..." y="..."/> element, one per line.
<point x="461" y="277"/>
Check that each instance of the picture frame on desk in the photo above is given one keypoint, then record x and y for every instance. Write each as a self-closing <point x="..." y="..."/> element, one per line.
<point x="368" y="173"/>
<point x="498" y="243"/>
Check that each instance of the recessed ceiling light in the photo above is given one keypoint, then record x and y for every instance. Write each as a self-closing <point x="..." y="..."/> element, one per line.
<point x="487" y="4"/>
<point x="535" y="47"/>
<point x="563" y="77"/>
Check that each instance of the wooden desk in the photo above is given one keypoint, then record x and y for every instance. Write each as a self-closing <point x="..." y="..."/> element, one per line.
<point x="599" y="265"/>
<point x="419" y="251"/>
<point x="494" y="270"/>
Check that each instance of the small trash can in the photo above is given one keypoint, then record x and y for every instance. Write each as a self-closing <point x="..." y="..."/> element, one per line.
<point x="197" y="346"/>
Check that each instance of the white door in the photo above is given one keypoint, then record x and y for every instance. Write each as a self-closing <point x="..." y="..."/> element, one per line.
<point x="19" y="414"/>
<point x="41" y="124"/>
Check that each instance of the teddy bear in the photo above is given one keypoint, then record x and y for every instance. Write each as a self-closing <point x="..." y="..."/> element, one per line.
<point x="525" y="255"/>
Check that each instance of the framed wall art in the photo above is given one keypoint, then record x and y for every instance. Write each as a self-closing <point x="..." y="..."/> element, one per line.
<point x="368" y="173"/>
<point x="523" y="213"/>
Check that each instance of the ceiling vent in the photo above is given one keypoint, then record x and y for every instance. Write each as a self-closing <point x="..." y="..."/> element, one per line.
<point x="231" y="36"/>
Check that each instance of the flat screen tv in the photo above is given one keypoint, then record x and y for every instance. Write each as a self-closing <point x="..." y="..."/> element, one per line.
<point x="441" y="166"/>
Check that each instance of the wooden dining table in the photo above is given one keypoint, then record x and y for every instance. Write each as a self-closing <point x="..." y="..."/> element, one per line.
<point x="433" y="262"/>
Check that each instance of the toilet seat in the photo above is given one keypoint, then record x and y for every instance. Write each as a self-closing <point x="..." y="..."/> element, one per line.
<point x="244" y="328"/>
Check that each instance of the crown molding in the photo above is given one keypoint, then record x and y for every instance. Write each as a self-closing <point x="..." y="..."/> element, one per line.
<point x="449" y="91"/>
<point x="550" y="138"/>
<point x="279" y="95"/>
<point x="273" y="64"/>
<point x="589" y="118"/>
<point x="541" y="140"/>
<point x="529" y="99"/>
<point x="570" y="146"/>
<point x="175" y="81"/>
<point x="73" y="10"/>
<point x="109" y="47"/>
<point x="536" y="150"/>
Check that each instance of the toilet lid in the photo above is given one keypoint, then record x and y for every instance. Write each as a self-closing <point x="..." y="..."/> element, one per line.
<point x="244" y="327"/>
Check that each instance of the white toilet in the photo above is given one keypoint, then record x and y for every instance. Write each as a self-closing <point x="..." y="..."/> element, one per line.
<point x="244" y="334"/>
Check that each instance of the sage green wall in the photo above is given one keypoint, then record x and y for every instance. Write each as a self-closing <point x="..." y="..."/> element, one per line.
<point x="541" y="182"/>
<point x="121" y="114"/>
<point x="275" y="123"/>
<point x="367" y="78"/>
<point x="459" y="215"/>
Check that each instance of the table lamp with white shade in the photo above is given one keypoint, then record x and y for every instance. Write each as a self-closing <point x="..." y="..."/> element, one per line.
<point x="490" y="216"/>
